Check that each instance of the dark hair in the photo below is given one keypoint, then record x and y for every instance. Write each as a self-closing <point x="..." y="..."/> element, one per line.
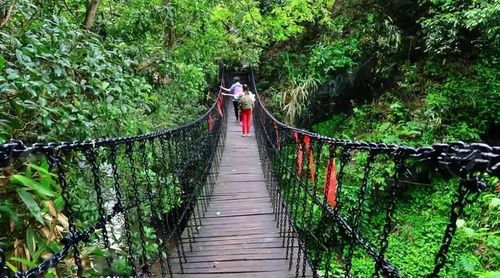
<point x="245" y="87"/>
<point x="236" y="79"/>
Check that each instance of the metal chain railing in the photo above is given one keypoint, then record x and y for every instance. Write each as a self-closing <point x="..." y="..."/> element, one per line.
<point x="132" y="198"/>
<point x="307" y="178"/>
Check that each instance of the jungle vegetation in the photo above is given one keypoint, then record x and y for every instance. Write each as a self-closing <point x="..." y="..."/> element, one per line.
<point x="396" y="71"/>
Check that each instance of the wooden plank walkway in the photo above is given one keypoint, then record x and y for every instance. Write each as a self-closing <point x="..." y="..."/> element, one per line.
<point x="238" y="236"/>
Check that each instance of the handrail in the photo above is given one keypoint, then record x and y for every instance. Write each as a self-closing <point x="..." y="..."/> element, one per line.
<point x="16" y="147"/>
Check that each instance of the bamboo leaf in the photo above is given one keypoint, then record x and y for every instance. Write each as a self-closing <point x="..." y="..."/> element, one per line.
<point x="41" y="170"/>
<point x="9" y="212"/>
<point x="489" y="274"/>
<point x="495" y="202"/>
<point x="11" y="266"/>
<point x="30" y="241"/>
<point x="2" y="62"/>
<point x="23" y="261"/>
<point x="41" y="250"/>
<point x="30" y="203"/>
<point x="40" y="189"/>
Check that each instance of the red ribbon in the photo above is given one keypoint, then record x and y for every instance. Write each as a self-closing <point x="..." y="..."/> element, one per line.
<point x="278" y="139"/>
<point x="300" y="152"/>
<point x="330" y="188"/>
<point x="219" y="104"/>
<point x="312" y="167"/>
<point x="210" y="123"/>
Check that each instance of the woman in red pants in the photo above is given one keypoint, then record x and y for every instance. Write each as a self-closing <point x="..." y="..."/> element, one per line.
<point x="246" y="106"/>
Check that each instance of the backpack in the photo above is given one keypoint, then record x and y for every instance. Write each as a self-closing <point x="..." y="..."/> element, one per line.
<point x="246" y="102"/>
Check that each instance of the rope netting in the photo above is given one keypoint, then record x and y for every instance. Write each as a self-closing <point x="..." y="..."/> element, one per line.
<point x="337" y="201"/>
<point x="111" y="207"/>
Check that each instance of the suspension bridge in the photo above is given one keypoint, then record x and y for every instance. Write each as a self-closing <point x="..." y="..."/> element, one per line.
<point x="199" y="200"/>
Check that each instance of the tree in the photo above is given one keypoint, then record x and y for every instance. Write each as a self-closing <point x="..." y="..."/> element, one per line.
<point x="5" y="11"/>
<point x="92" y="6"/>
<point x="170" y="38"/>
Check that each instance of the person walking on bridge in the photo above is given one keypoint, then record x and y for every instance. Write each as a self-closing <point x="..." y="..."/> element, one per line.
<point x="236" y="91"/>
<point x="246" y="106"/>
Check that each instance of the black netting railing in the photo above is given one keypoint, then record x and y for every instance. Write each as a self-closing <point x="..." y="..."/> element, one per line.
<point x="109" y="207"/>
<point x="342" y="203"/>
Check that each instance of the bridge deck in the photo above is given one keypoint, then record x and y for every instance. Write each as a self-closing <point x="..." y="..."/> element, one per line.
<point x="238" y="236"/>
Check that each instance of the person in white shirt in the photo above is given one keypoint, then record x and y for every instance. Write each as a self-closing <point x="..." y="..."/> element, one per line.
<point x="236" y="90"/>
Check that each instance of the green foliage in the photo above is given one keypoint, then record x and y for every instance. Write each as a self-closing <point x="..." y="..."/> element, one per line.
<point x="30" y="204"/>
<point x="327" y="57"/>
<point x="87" y="91"/>
<point x="460" y="26"/>
<point x="293" y="100"/>
<point x="32" y="211"/>
<point x="436" y="108"/>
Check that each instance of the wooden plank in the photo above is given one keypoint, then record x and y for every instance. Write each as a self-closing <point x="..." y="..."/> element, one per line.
<point x="237" y="246"/>
<point x="231" y="230"/>
<point x="216" y="233"/>
<point x="237" y="257"/>
<point x="241" y="189"/>
<point x="220" y="226"/>
<point x="244" y="239"/>
<point x="235" y="180"/>
<point x="262" y="194"/>
<point x="235" y="213"/>
<point x="222" y="209"/>
<point x="236" y="252"/>
<point x="237" y="266"/>
<point x="224" y="200"/>
<point x="259" y="274"/>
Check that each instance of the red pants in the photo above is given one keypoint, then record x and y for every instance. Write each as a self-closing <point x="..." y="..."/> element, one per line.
<point x="246" y="116"/>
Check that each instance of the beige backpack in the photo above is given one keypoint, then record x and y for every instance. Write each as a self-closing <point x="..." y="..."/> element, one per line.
<point x="246" y="102"/>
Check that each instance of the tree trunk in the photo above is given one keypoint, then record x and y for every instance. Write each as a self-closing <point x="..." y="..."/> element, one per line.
<point x="170" y="38"/>
<point x="337" y="6"/>
<point x="92" y="6"/>
<point x="5" y="12"/>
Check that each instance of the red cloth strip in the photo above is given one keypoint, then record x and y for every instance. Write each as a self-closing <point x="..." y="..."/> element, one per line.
<point x="300" y="152"/>
<point x="278" y="139"/>
<point x="330" y="188"/>
<point x="210" y="123"/>
<point x="219" y="105"/>
<point x="311" y="166"/>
